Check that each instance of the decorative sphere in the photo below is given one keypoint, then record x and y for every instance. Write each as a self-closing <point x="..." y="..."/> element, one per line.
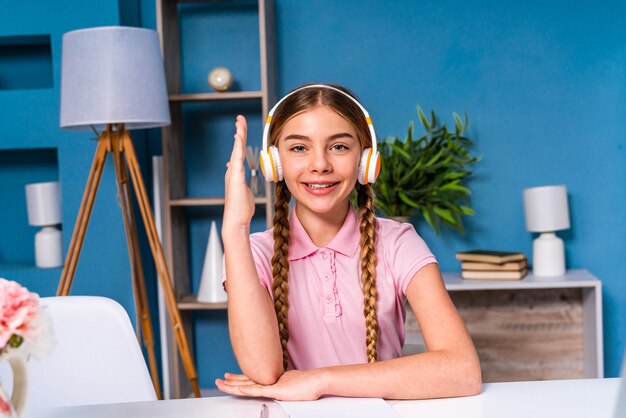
<point x="220" y="79"/>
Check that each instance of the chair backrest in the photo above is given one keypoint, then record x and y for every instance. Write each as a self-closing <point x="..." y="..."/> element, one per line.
<point x="97" y="358"/>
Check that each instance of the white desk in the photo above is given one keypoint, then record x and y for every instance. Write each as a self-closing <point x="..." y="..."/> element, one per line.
<point x="565" y="398"/>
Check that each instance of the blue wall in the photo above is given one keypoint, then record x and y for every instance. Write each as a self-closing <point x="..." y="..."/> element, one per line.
<point x="542" y="82"/>
<point x="33" y="148"/>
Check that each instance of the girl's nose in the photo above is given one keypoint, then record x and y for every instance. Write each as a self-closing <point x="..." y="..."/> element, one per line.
<point x="319" y="162"/>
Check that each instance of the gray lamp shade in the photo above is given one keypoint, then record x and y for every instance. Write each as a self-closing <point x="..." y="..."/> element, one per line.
<point x="43" y="201"/>
<point x="113" y="75"/>
<point x="546" y="208"/>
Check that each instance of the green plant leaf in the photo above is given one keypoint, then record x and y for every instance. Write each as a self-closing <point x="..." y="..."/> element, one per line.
<point x="423" y="119"/>
<point x="407" y="200"/>
<point x="444" y="214"/>
<point x="402" y="152"/>
<point x="427" y="175"/>
<point x="454" y="185"/>
<point x="467" y="210"/>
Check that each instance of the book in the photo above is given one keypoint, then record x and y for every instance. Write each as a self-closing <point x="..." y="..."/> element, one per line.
<point x="490" y="256"/>
<point x="512" y="265"/>
<point x="494" y="275"/>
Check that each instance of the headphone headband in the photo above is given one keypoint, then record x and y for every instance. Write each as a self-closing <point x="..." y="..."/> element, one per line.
<point x="368" y="119"/>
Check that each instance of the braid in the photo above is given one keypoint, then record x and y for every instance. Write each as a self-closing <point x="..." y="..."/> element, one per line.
<point x="367" y="221"/>
<point x="280" y="264"/>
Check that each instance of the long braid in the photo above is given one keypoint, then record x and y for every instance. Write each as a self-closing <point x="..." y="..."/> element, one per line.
<point x="280" y="264"/>
<point x="367" y="227"/>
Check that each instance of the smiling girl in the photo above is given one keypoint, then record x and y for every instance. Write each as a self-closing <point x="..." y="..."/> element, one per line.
<point x="316" y="305"/>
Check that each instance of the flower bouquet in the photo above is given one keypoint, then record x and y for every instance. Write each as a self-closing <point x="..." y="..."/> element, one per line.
<point x="25" y="330"/>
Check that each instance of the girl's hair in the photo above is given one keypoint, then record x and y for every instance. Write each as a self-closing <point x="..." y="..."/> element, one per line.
<point x="293" y="105"/>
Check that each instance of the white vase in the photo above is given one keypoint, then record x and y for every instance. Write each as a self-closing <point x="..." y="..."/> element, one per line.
<point x="211" y="289"/>
<point x="14" y="407"/>
<point x="48" y="247"/>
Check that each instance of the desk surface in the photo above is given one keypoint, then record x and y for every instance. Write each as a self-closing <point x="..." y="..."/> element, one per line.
<point x="567" y="398"/>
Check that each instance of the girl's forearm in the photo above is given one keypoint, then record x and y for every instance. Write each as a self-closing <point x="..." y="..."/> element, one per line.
<point x="251" y="318"/>
<point x="421" y="376"/>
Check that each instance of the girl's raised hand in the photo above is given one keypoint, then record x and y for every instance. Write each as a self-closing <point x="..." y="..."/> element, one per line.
<point x="239" y="205"/>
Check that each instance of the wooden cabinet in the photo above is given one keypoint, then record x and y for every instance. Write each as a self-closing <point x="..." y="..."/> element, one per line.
<point x="537" y="328"/>
<point x="178" y="198"/>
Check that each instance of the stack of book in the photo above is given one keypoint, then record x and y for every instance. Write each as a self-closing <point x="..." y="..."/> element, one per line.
<point x="498" y="265"/>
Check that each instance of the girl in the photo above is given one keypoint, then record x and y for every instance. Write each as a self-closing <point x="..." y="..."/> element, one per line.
<point x="316" y="305"/>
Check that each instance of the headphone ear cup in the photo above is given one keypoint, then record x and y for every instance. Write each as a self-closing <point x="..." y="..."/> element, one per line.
<point x="374" y="167"/>
<point x="366" y="164"/>
<point x="265" y="162"/>
<point x="277" y="164"/>
<point x="270" y="165"/>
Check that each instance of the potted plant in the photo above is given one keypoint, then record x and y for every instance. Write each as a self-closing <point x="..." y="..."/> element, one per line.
<point x="425" y="176"/>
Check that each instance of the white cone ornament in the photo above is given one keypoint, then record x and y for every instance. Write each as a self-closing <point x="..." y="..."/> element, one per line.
<point x="211" y="289"/>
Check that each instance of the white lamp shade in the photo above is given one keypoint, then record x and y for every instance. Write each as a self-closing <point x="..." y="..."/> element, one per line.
<point x="546" y="208"/>
<point x="43" y="201"/>
<point x="113" y="75"/>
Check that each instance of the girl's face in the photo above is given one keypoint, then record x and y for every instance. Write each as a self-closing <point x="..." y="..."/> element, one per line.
<point x="319" y="151"/>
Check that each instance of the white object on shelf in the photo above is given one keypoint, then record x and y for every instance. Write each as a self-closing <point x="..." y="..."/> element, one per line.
<point x="546" y="211"/>
<point x="43" y="201"/>
<point x="48" y="247"/>
<point x="211" y="289"/>
<point x="220" y="79"/>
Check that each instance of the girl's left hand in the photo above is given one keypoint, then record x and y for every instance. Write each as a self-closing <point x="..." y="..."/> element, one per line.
<point x="293" y="385"/>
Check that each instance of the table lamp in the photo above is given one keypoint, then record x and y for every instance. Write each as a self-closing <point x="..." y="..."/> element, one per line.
<point x="43" y="201"/>
<point x="546" y="212"/>
<point x="113" y="81"/>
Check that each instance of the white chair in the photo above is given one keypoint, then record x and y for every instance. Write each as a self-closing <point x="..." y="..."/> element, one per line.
<point x="620" y="403"/>
<point x="97" y="358"/>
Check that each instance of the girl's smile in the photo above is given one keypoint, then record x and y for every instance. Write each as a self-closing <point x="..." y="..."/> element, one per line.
<point x="321" y="188"/>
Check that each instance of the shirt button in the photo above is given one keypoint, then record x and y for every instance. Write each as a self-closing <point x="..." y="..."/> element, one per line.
<point x="328" y="299"/>
<point x="326" y="277"/>
<point x="324" y="256"/>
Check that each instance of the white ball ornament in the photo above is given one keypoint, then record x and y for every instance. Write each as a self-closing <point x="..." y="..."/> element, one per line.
<point x="220" y="79"/>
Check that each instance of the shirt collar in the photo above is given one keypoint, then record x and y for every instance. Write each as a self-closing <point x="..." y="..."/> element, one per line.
<point x="345" y="242"/>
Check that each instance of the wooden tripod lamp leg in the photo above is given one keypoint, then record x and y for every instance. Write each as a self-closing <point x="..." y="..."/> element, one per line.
<point x="159" y="260"/>
<point x="84" y="213"/>
<point x="139" y="284"/>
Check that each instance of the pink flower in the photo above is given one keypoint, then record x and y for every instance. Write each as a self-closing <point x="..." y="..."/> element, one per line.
<point x="18" y="309"/>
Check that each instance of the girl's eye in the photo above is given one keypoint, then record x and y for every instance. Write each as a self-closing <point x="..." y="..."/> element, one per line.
<point x="339" y="147"/>
<point x="298" y="148"/>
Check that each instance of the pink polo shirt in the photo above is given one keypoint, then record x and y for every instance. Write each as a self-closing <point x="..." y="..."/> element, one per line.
<point x="326" y="320"/>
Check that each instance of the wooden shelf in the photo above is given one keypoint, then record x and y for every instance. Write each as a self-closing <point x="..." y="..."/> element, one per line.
<point x="179" y="214"/>
<point x="209" y="201"/>
<point x="190" y="303"/>
<point x="207" y="97"/>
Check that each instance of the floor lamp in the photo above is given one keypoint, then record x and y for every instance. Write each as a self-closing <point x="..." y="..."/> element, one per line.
<point x="112" y="81"/>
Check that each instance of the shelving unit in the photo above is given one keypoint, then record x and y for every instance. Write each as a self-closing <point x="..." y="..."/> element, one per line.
<point x="537" y="328"/>
<point x="177" y="201"/>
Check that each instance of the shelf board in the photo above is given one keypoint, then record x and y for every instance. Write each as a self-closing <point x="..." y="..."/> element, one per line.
<point x="190" y="302"/>
<point x="206" y="97"/>
<point x="209" y="201"/>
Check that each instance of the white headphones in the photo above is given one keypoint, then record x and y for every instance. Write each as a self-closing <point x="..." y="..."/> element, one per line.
<point x="369" y="164"/>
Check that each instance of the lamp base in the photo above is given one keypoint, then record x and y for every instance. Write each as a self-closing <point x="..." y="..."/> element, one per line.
<point x="48" y="248"/>
<point x="548" y="255"/>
